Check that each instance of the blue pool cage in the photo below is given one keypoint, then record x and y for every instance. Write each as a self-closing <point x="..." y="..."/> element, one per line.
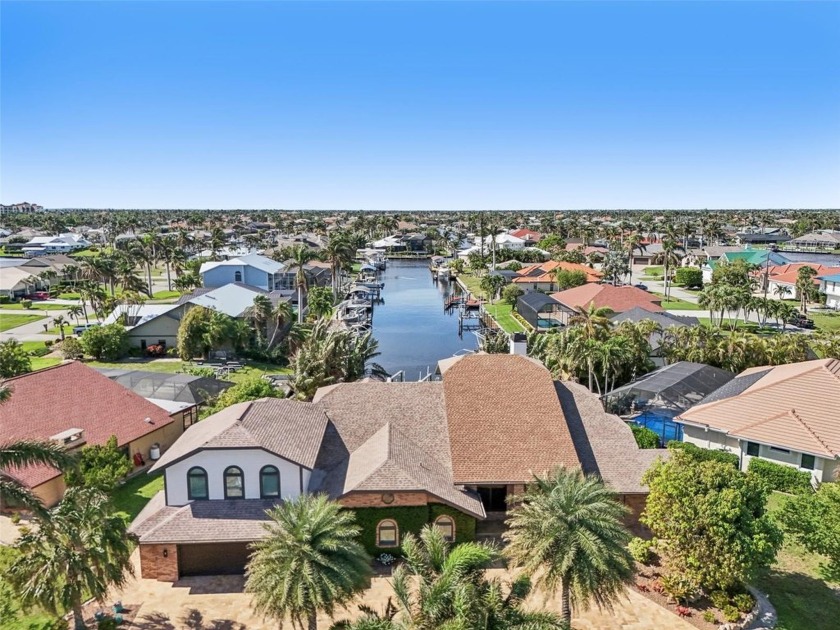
<point x="655" y="399"/>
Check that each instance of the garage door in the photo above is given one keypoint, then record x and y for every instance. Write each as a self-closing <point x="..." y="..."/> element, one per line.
<point x="215" y="559"/>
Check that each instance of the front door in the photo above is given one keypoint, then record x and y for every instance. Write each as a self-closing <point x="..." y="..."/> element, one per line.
<point x="493" y="498"/>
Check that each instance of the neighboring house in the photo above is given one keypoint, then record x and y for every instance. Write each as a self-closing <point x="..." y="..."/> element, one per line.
<point x="771" y="236"/>
<point x="74" y="405"/>
<point x="254" y="270"/>
<point x="830" y="285"/>
<point x="157" y="324"/>
<point x="785" y="414"/>
<point x="665" y="321"/>
<point x="826" y="240"/>
<point x="61" y="244"/>
<point x="756" y="257"/>
<point x="503" y="241"/>
<point x="617" y="299"/>
<point x="529" y="236"/>
<point x="160" y="387"/>
<point x="390" y="243"/>
<point x="16" y="281"/>
<point x="401" y="455"/>
<point x="541" y="277"/>
<point x="418" y="242"/>
<point x="787" y="275"/>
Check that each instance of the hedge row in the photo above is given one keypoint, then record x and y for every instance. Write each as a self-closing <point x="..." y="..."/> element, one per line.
<point x="780" y="477"/>
<point x="704" y="454"/>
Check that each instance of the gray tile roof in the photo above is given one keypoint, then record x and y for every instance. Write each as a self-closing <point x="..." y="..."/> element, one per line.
<point x="288" y="428"/>
<point x="736" y="386"/>
<point x="604" y="443"/>
<point x="241" y="520"/>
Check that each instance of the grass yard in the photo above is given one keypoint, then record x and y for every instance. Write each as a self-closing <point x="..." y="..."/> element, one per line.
<point x="135" y="493"/>
<point x="70" y="295"/>
<point x="503" y="314"/>
<point x="826" y="321"/>
<point x="39" y="363"/>
<point x="803" y="599"/>
<point x="676" y="304"/>
<point x="252" y="369"/>
<point x="36" y="306"/>
<point x="166" y="295"/>
<point x="8" y="322"/>
<point x="472" y="283"/>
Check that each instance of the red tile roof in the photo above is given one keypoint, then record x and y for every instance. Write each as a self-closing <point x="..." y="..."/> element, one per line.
<point x="550" y="267"/>
<point x="528" y="235"/>
<point x="619" y="299"/>
<point x="73" y="396"/>
<point x="789" y="273"/>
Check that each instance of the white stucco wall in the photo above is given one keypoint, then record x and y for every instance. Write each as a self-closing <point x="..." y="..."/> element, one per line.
<point x="249" y="460"/>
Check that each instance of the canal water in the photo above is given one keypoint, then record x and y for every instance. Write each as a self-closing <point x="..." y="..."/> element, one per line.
<point x="412" y="329"/>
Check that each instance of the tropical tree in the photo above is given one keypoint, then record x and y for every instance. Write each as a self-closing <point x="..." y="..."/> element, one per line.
<point x="26" y="453"/>
<point x="59" y="321"/>
<point x="670" y="258"/>
<point x="300" y="255"/>
<point x="567" y="532"/>
<point x="320" y="301"/>
<point x="309" y="562"/>
<point x="75" y="311"/>
<point x="806" y="288"/>
<point x="14" y="359"/>
<point x="339" y="252"/>
<point x="78" y="550"/>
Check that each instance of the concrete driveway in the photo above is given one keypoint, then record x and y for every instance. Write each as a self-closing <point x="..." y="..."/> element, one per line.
<point x="219" y="603"/>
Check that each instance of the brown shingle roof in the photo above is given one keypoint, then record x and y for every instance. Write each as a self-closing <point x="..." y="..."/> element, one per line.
<point x="793" y="406"/>
<point x="505" y="422"/>
<point x="73" y="395"/>
<point x="288" y="428"/>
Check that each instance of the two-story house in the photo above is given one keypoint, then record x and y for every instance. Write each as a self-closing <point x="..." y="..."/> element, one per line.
<point x="254" y="270"/>
<point x="786" y="414"/>
<point x="830" y="285"/>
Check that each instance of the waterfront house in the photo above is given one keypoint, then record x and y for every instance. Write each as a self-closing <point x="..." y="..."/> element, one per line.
<point x="541" y="311"/>
<point x="254" y="270"/>
<point x="830" y="285"/>
<point x="784" y="278"/>
<point x="785" y="414"/>
<point x="61" y="244"/>
<point x="401" y="455"/>
<point x="74" y="405"/>
<point x="541" y="277"/>
<point x="418" y="242"/>
<point x="827" y="240"/>
<point x="617" y="299"/>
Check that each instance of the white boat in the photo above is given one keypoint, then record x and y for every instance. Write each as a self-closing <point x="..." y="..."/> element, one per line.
<point x="443" y="272"/>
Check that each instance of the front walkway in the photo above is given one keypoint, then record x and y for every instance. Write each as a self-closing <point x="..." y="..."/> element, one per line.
<point x="211" y="603"/>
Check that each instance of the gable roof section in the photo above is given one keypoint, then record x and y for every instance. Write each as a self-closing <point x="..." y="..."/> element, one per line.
<point x="505" y="423"/>
<point x="73" y="395"/>
<point x="792" y="406"/>
<point x="290" y="429"/>
<point x="664" y="319"/>
<point x="619" y="299"/>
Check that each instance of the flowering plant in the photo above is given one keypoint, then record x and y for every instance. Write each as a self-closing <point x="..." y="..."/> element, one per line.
<point x="386" y="559"/>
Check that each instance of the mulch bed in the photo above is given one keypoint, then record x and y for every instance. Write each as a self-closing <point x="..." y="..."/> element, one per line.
<point x="648" y="584"/>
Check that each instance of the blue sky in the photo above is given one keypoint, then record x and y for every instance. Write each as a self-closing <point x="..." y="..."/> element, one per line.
<point x="398" y="105"/>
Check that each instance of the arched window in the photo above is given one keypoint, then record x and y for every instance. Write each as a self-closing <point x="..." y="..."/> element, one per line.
<point x="387" y="534"/>
<point x="234" y="483"/>
<point x="237" y="276"/>
<point x="269" y="483"/>
<point x="196" y="483"/>
<point x="446" y="525"/>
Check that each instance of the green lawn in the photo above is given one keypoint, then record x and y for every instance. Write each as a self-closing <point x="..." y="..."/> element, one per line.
<point x="503" y="314"/>
<point x="253" y="368"/>
<point x="676" y="304"/>
<point x="803" y="599"/>
<point x="472" y="283"/>
<point x="36" y="306"/>
<point x="69" y="296"/>
<point x="7" y="322"/>
<point x="654" y="271"/>
<point x="166" y="295"/>
<point x="39" y="363"/>
<point x="826" y="321"/>
<point x="135" y="493"/>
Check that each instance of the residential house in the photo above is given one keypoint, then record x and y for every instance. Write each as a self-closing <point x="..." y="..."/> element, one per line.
<point x="24" y="275"/>
<point x="418" y="242"/>
<point x="503" y="241"/>
<point x="529" y="236"/>
<point x="541" y="311"/>
<point x="784" y="278"/>
<point x="828" y="240"/>
<point x="74" y="405"/>
<point x="756" y="257"/>
<point x="401" y="455"/>
<point x="254" y="270"/>
<point x="785" y="414"/>
<point x="617" y="299"/>
<point x="830" y="285"/>
<point x="61" y="244"/>
<point x="663" y="319"/>
<point x="541" y="277"/>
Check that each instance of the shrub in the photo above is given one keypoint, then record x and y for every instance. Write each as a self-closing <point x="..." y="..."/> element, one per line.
<point x="72" y="348"/>
<point x="743" y="602"/>
<point x="709" y="617"/>
<point x="27" y="304"/>
<point x="100" y="466"/>
<point x="678" y="586"/>
<point x="704" y="454"/>
<point x="14" y="360"/>
<point x="40" y="352"/>
<point x="250" y="389"/>
<point x="49" y="343"/>
<point x="5" y="299"/>
<point x="510" y="294"/>
<point x="156" y="350"/>
<point x="719" y="599"/>
<point x="683" y="611"/>
<point x="105" y="342"/>
<point x="689" y="277"/>
<point x="730" y="613"/>
<point x="645" y="438"/>
<point x="640" y="550"/>
<point x="780" y="477"/>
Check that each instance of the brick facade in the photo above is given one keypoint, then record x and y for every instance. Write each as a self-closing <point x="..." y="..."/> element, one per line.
<point x="154" y="566"/>
<point x="374" y="499"/>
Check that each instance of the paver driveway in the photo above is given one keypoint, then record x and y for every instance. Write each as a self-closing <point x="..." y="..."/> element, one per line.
<point x="219" y="603"/>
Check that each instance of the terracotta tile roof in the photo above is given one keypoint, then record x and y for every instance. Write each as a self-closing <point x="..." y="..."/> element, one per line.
<point x="789" y="274"/>
<point x="504" y="420"/>
<point x="792" y="406"/>
<point x="528" y="235"/>
<point x="544" y="272"/>
<point x="288" y="428"/>
<point x="73" y="396"/>
<point x="619" y="299"/>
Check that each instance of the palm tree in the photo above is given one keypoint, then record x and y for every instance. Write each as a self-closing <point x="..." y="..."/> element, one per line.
<point x="669" y="257"/>
<point x="26" y="453"/>
<point x="300" y="255"/>
<point x="593" y="321"/>
<point x="60" y="322"/>
<point x="309" y="562"/>
<point x="567" y="532"/>
<point x="260" y="313"/>
<point x="339" y="253"/>
<point x="281" y="315"/>
<point x="633" y="243"/>
<point x="75" y="311"/>
<point x="79" y="550"/>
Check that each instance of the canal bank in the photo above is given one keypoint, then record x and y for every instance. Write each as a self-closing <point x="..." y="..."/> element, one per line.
<point x="410" y="324"/>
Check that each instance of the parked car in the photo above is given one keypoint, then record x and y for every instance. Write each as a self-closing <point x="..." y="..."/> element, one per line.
<point x="801" y="321"/>
<point x="38" y="295"/>
<point x="641" y="286"/>
<point x="80" y="329"/>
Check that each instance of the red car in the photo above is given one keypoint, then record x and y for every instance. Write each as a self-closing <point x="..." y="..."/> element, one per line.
<point x="38" y="295"/>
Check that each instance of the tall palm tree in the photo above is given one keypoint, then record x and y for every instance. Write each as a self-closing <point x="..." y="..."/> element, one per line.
<point x="567" y="532"/>
<point x="310" y="561"/>
<point x="25" y="453"/>
<point x="260" y="313"/>
<point x="60" y="322"/>
<point x="300" y="255"/>
<point x="633" y="243"/>
<point x="593" y="321"/>
<point x="281" y="315"/>
<point x="79" y="550"/>
<point x="670" y="257"/>
<point x="339" y="253"/>
<point x="75" y="311"/>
